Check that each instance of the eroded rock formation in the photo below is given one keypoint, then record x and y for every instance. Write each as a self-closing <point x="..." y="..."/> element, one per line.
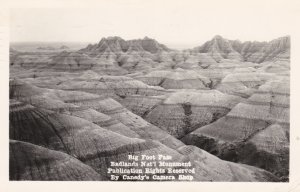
<point x="73" y="112"/>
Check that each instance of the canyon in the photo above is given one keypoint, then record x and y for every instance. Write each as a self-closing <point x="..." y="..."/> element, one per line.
<point x="224" y="106"/>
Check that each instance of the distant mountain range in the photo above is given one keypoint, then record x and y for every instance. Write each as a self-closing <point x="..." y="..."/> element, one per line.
<point x="129" y="55"/>
<point x="117" y="44"/>
<point x="218" y="48"/>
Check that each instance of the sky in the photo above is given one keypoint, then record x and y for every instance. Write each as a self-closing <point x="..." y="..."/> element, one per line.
<point x="185" y="23"/>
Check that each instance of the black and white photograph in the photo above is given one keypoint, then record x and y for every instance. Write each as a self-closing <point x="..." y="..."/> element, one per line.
<point x="141" y="91"/>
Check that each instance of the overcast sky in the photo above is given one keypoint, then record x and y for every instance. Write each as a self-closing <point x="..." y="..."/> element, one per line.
<point x="174" y="23"/>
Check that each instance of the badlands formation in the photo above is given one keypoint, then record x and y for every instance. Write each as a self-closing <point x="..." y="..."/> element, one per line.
<point x="223" y="106"/>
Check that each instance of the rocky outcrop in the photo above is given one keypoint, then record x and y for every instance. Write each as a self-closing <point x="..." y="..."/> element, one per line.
<point x="243" y="83"/>
<point x="248" y="126"/>
<point x="264" y="51"/>
<point x="219" y="48"/>
<point x="190" y="110"/>
<point x="117" y="45"/>
<point x="258" y="52"/>
<point x="32" y="162"/>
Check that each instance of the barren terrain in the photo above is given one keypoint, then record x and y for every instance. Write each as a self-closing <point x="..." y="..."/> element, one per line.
<point x="223" y="105"/>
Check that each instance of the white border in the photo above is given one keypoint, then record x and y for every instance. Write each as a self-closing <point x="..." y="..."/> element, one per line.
<point x="292" y="17"/>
